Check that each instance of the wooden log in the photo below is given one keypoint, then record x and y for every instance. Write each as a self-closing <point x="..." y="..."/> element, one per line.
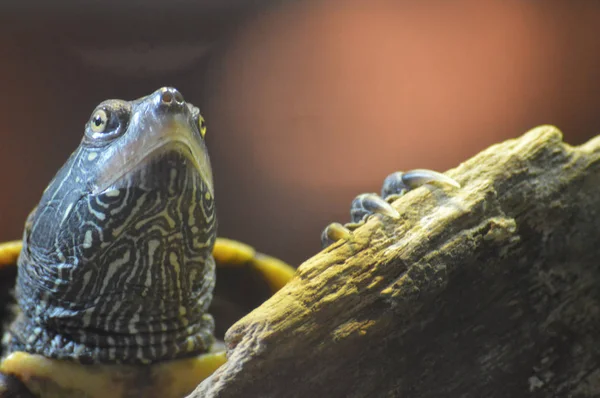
<point x="490" y="290"/>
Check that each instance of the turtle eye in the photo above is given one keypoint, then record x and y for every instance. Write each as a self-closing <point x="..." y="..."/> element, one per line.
<point x="109" y="120"/>
<point x="99" y="121"/>
<point x="202" y="126"/>
<point x="105" y="124"/>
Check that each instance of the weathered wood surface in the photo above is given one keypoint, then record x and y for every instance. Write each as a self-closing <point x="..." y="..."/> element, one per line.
<point x="491" y="290"/>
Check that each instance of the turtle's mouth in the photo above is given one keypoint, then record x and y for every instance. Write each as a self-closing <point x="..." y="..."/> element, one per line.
<point x="168" y="140"/>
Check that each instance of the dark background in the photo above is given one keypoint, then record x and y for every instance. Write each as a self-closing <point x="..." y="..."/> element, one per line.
<point x="307" y="102"/>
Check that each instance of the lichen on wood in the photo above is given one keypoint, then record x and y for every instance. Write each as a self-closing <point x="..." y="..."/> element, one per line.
<point x="490" y="290"/>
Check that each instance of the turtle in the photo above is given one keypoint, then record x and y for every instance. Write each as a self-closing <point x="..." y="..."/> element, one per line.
<point x="115" y="275"/>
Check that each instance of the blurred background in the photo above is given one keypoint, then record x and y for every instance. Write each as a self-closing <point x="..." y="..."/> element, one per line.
<point x="308" y="103"/>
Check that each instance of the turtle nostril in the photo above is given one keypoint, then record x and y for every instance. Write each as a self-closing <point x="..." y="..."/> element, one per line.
<point x="166" y="98"/>
<point x="178" y="97"/>
<point x="169" y="98"/>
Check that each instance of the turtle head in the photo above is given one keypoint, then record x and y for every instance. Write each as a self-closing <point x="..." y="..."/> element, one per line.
<point x="144" y="144"/>
<point x="117" y="264"/>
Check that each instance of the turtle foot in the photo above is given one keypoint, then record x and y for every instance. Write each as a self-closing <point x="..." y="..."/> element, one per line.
<point x="367" y="204"/>
<point x="12" y="387"/>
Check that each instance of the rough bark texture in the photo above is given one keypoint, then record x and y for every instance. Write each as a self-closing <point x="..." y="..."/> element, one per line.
<point x="491" y="290"/>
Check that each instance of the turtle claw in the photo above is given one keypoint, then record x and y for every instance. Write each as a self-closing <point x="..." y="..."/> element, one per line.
<point x="362" y="206"/>
<point x="333" y="233"/>
<point x="399" y="183"/>
<point x="366" y="204"/>
<point x="369" y="203"/>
